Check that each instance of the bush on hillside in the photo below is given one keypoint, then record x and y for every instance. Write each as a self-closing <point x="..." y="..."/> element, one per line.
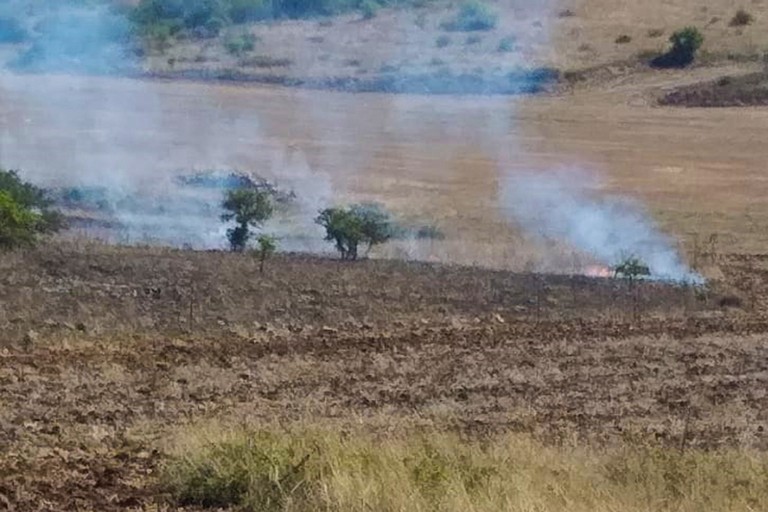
<point x="369" y="8"/>
<point x="267" y="246"/>
<point x="25" y="212"/>
<point x="685" y="44"/>
<point x="631" y="268"/>
<point x="741" y="19"/>
<point x="203" y="18"/>
<point x="473" y="15"/>
<point x="240" y="43"/>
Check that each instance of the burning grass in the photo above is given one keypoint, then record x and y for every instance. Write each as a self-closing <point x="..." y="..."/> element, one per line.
<point x="307" y="469"/>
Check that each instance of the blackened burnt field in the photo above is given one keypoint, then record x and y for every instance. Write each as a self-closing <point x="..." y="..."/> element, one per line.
<point x="106" y="349"/>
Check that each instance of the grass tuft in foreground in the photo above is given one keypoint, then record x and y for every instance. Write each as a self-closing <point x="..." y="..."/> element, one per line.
<point x="313" y="470"/>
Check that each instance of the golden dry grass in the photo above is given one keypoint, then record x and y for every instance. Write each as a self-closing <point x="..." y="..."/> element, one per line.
<point x="308" y="468"/>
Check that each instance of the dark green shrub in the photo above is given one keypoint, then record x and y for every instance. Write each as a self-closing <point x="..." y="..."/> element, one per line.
<point x="473" y="15"/>
<point x="631" y="268"/>
<point x="25" y="212"/>
<point x="18" y="225"/>
<point x="203" y="18"/>
<point x="267" y="247"/>
<point x="239" y="43"/>
<point x="685" y="44"/>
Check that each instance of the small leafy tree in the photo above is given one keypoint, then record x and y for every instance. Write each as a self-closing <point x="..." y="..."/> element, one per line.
<point x="267" y="247"/>
<point x="358" y="224"/>
<point x="342" y="228"/>
<point x="25" y="212"/>
<point x="685" y="44"/>
<point x="631" y="268"/>
<point x="249" y="208"/>
<point x="375" y="223"/>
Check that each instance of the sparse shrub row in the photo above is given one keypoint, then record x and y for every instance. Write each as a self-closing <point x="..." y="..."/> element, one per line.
<point x="159" y="19"/>
<point x="364" y="224"/>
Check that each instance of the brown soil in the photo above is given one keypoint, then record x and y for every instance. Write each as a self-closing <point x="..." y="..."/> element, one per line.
<point x="727" y="91"/>
<point x="106" y="350"/>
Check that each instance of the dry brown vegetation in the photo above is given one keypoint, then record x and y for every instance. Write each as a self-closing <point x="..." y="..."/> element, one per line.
<point x="569" y="36"/>
<point x="727" y="91"/>
<point x="108" y="351"/>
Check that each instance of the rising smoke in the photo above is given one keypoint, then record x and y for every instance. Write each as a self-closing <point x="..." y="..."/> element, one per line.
<point x="113" y="142"/>
<point x="104" y="159"/>
<point x="567" y="206"/>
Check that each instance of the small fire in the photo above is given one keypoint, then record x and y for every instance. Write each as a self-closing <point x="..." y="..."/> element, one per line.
<point x="598" y="271"/>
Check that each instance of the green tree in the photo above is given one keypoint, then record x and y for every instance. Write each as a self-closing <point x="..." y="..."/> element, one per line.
<point x="267" y="247"/>
<point x="249" y="208"/>
<point x="631" y="268"/>
<point x="18" y="225"/>
<point x="376" y="225"/>
<point x="359" y="224"/>
<point x="26" y="212"/>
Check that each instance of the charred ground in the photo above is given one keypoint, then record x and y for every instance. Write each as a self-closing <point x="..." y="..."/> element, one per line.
<point x="105" y="349"/>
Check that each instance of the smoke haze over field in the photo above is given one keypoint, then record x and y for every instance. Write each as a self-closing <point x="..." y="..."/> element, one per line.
<point x="565" y="206"/>
<point x="120" y="134"/>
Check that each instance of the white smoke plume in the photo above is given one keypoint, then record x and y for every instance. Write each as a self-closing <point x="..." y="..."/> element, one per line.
<point x="568" y="207"/>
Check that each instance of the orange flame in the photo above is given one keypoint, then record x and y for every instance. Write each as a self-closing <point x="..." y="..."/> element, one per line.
<point x="598" y="271"/>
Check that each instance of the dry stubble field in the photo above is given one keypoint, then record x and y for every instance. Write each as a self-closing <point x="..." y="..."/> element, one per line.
<point x="109" y="352"/>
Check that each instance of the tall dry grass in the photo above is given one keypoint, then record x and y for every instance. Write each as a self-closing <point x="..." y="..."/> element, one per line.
<point x="322" y="470"/>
